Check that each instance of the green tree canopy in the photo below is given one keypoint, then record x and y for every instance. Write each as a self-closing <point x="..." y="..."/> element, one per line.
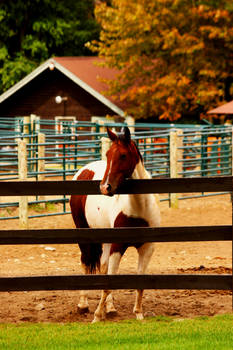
<point x="174" y="55"/>
<point x="33" y="31"/>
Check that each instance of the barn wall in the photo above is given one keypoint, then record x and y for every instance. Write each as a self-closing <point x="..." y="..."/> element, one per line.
<point x="38" y="97"/>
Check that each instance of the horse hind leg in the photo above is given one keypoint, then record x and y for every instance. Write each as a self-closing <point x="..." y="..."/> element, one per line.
<point x="90" y="258"/>
<point x="83" y="305"/>
<point x="145" y="252"/>
<point x="110" y="308"/>
<point x="106" y="301"/>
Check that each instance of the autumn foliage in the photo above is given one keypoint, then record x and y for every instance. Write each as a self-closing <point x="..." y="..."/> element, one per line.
<point x="173" y="55"/>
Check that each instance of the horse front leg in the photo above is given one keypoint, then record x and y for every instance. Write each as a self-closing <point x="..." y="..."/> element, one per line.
<point x="114" y="262"/>
<point x="110" y="308"/>
<point x="83" y="305"/>
<point x="144" y="255"/>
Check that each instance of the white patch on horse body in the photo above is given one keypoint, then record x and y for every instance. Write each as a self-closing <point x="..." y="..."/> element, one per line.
<point x="98" y="208"/>
<point x="101" y="211"/>
<point x="144" y="206"/>
<point x="97" y="167"/>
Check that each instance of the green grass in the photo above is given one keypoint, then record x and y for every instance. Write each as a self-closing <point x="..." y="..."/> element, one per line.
<point x="40" y="208"/>
<point x="158" y="333"/>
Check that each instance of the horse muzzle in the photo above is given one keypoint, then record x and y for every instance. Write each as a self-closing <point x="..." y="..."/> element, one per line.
<point x="107" y="190"/>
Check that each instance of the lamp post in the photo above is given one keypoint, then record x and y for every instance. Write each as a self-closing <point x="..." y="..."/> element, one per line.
<point x="59" y="99"/>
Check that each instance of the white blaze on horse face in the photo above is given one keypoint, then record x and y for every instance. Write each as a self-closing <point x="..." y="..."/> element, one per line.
<point x="104" y="187"/>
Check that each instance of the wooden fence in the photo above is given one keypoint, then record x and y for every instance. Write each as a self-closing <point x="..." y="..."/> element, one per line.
<point x="139" y="235"/>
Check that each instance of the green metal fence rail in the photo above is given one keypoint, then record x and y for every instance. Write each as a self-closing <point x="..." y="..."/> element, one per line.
<point x="68" y="145"/>
<point x="154" y="147"/>
<point x="207" y="152"/>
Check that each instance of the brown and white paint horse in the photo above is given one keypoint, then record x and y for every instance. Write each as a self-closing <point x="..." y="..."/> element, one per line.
<point x="112" y="210"/>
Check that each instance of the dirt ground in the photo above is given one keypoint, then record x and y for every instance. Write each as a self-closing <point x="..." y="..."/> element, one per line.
<point x="61" y="306"/>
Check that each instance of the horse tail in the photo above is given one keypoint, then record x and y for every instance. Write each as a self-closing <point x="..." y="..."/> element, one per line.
<point x="90" y="256"/>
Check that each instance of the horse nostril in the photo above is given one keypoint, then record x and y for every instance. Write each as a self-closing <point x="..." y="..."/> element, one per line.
<point x="106" y="189"/>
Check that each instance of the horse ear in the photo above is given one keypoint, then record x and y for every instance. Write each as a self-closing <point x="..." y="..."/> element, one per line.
<point x="127" y="135"/>
<point x="111" y="134"/>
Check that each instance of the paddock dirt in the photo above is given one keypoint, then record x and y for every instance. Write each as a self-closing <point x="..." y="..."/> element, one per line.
<point x="61" y="306"/>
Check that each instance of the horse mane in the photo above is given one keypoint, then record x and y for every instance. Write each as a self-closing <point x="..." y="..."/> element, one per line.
<point x="137" y="149"/>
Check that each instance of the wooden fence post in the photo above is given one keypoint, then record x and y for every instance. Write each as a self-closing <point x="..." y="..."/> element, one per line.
<point x="41" y="156"/>
<point x="232" y="151"/>
<point x="34" y="120"/>
<point x="26" y="127"/>
<point x="131" y="124"/>
<point x="41" y="161"/>
<point x="176" y="153"/>
<point x="180" y="152"/>
<point x="105" y="145"/>
<point x="22" y="171"/>
<point x="232" y="175"/>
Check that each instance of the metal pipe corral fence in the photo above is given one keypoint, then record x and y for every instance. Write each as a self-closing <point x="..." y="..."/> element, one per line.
<point x="57" y="150"/>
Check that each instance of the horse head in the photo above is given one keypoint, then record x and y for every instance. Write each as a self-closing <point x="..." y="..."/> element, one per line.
<point x="122" y="158"/>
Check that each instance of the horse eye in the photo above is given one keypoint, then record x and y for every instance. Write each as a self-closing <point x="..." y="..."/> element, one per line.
<point x="123" y="156"/>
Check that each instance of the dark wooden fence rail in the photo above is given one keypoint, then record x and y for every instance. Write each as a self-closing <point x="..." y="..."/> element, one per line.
<point x="178" y="185"/>
<point x="139" y="235"/>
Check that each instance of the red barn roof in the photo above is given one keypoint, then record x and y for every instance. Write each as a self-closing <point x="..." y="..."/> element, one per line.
<point x="88" y="70"/>
<point x="83" y="71"/>
<point x="227" y="108"/>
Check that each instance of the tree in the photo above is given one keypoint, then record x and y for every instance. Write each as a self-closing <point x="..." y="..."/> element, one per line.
<point x="33" y="31"/>
<point x="174" y="56"/>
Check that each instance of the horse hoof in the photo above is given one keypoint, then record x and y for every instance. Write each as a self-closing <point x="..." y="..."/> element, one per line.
<point x="139" y="317"/>
<point x="96" y="320"/>
<point x="111" y="313"/>
<point x="83" y="310"/>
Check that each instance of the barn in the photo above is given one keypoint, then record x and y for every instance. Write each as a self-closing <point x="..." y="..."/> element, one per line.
<point x="71" y="87"/>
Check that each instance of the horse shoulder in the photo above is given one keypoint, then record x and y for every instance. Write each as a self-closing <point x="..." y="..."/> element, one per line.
<point x="96" y="208"/>
<point x="139" y="209"/>
<point x="99" y="211"/>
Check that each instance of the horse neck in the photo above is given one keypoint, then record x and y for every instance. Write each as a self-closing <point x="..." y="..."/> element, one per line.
<point x="139" y="201"/>
<point x="140" y="172"/>
<point x="146" y="205"/>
